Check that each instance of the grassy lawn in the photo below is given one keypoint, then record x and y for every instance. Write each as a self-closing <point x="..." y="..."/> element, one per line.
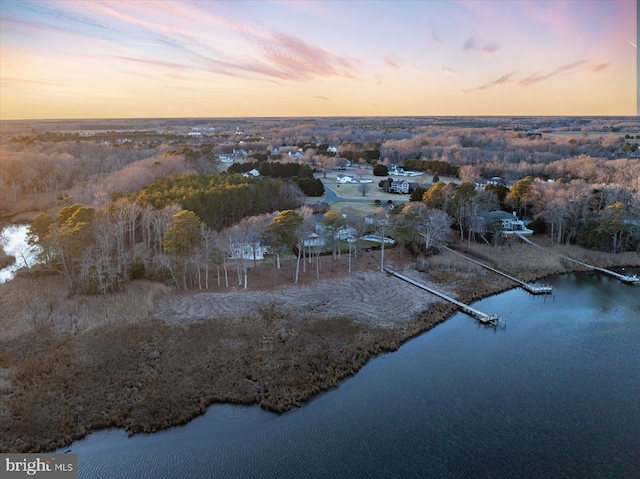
<point x="362" y="208"/>
<point x="353" y="192"/>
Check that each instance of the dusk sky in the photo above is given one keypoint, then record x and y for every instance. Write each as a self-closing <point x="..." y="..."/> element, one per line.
<point x="135" y="58"/>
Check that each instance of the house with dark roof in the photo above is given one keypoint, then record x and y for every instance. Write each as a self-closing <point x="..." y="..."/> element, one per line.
<point x="400" y="187"/>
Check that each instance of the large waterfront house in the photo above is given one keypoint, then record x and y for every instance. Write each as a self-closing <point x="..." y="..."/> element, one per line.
<point x="511" y="224"/>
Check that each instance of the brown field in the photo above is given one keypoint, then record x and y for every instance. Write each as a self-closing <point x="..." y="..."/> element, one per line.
<point x="151" y="357"/>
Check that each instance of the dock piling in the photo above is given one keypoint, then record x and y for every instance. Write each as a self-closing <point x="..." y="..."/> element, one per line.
<point x="483" y="318"/>
<point x="530" y="288"/>
<point x="633" y="280"/>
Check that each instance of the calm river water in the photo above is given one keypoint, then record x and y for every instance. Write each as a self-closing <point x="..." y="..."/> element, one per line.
<point x="554" y="395"/>
<point x="14" y="242"/>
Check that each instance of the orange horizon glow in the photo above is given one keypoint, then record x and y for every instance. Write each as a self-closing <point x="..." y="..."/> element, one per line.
<point x="159" y="59"/>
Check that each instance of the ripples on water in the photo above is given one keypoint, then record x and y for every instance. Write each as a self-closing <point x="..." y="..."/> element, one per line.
<point x="554" y="395"/>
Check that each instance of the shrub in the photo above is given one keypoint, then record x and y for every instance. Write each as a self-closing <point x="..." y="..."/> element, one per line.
<point x="380" y="170"/>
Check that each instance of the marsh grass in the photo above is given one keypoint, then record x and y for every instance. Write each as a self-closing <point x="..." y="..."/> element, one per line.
<point x="523" y="261"/>
<point x="95" y="362"/>
<point x="28" y="302"/>
<point x="447" y="262"/>
<point x="66" y="386"/>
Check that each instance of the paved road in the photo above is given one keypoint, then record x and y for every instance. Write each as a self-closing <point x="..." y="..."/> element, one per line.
<point x="330" y="196"/>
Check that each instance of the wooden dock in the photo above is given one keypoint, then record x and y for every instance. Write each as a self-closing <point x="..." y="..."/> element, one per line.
<point x="483" y="318"/>
<point x="634" y="280"/>
<point x="530" y="288"/>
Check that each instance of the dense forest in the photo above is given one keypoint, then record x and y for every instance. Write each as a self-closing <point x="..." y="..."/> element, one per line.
<point x="300" y="174"/>
<point x="166" y="199"/>
<point x="221" y="200"/>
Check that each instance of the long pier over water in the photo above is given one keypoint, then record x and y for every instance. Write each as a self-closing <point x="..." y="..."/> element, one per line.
<point x="635" y="280"/>
<point x="531" y="288"/>
<point x="484" y="318"/>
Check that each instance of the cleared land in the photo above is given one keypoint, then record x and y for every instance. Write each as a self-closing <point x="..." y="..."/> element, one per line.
<point x="352" y="191"/>
<point x="369" y="298"/>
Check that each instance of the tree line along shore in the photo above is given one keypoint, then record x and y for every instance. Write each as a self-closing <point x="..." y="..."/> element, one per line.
<point x="115" y="361"/>
<point x="130" y="223"/>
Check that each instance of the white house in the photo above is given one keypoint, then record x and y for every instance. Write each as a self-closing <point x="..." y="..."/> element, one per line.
<point x="254" y="173"/>
<point x="344" y="179"/>
<point x="397" y="171"/>
<point x="346" y="233"/>
<point x="510" y="223"/>
<point x="400" y="187"/>
<point x="313" y="240"/>
<point x="247" y="251"/>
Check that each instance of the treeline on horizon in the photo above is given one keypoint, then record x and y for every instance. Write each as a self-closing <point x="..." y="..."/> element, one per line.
<point x="37" y="175"/>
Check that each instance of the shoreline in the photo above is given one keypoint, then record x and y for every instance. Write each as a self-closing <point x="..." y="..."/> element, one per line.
<point x="272" y="358"/>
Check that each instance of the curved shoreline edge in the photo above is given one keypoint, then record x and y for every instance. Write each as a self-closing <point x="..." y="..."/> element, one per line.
<point x="349" y="347"/>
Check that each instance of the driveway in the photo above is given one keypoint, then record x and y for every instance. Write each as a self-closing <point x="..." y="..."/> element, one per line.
<point x="331" y="196"/>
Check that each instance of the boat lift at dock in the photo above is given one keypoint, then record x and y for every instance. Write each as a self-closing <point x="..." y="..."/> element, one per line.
<point x="530" y="288"/>
<point x="483" y="318"/>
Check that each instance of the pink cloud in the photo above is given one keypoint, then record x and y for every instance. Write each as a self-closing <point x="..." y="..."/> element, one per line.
<point x="599" y="67"/>
<point x="301" y="61"/>
<point x="472" y="46"/>
<point x="26" y="81"/>
<point x="179" y="31"/>
<point x="282" y="56"/>
<point x="320" y="10"/>
<point x="493" y="83"/>
<point x="157" y="63"/>
<point x="394" y="62"/>
<point x="535" y="79"/>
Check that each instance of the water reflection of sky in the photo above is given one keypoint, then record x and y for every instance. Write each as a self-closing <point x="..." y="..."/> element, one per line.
<point x="552" y="395"/>
<point x="14" y="242"/>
